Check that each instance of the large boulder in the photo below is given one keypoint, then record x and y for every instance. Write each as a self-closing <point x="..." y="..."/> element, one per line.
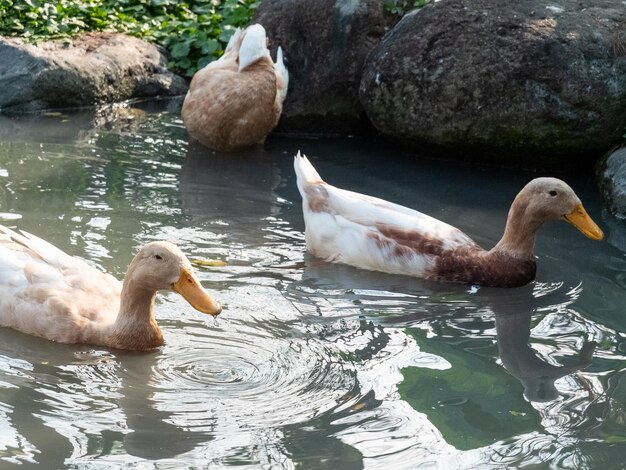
<point x="506" y="78"/>
<point x="612" y="181"/>
<point x="90" y="69"/>
<point x="325" y="43"/>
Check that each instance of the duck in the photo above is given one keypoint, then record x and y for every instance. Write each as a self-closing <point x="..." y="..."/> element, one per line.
<point x="235" y="101"/>
<point x="370" y="233"/>
<point x="47" y="293"/>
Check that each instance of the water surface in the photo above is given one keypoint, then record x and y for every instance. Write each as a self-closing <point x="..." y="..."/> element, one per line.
<point x="310" y="364"/>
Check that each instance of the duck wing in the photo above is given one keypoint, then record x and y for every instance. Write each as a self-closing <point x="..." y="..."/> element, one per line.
<point x="368" y="232"/>
<point x="37" y="248"/>
<point x="46" y="292"/>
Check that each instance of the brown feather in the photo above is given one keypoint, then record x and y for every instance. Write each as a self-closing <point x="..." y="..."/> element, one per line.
<point x="226" y="109"/>
<point x="485" y="268"/>
<point x="317" y="197"/>
<point x="469" y="264"/>
<point x="412" y="240"/>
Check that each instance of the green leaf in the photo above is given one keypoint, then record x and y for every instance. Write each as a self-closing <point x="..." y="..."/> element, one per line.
<point x="204" y="62"/>
<point x="180" y="49"/>
<point x="210" y="46"/>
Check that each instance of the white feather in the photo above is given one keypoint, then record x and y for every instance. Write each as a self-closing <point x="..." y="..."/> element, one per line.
<point x="346" y="229"/>
<point x="232" y="48"/>
<point x="253" y="46"/>
<point x="282" y="76"/>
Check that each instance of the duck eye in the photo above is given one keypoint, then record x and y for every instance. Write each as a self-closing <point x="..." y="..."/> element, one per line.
<point x="552" y="193"/>
<point x="158" y="257"/>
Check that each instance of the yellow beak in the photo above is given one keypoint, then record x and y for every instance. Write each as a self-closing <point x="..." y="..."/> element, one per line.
<point x="189" y="287"/>
<point x="581" y="220"/>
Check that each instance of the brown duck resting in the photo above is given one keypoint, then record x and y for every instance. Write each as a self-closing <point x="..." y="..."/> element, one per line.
<point x="370" y="233"/>
<point x="236" y="101"/>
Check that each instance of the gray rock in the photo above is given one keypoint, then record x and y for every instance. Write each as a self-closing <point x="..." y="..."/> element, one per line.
<point x="612" y="181"/>
<point x="90" y="69"/>
<point x="325" y="43"/>
<point x="511" y="79"/>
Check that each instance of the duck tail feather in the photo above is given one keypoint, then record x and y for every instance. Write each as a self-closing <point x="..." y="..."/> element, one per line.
<point x="234" y="43"/>
<point x="41" y="248"/>
<point x="282" y="75"/>
<point x="305" y="172"/>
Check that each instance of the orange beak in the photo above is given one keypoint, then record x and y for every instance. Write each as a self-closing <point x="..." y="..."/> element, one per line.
<point x="191" y="290"/>
<point x="581" y="220"/>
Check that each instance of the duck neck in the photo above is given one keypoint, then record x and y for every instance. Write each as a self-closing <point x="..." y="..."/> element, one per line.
<point x="520" y="231"/>
<point x="135" y="326"/>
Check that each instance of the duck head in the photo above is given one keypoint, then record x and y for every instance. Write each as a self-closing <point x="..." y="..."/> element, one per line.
<point x="547" y="199"/>
<point x="160" y="266"/>
<point x="253" y="46"/>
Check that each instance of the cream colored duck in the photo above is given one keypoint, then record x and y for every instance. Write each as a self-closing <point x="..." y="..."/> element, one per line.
<point x="235" y="101"/>
<point x="370" y="233"/>
<point x="47" y="293"/>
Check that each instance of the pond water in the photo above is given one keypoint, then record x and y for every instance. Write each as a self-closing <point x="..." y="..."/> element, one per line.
<point x="310" y="364"/>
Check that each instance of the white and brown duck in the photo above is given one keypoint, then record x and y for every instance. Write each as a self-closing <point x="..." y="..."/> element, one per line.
<point x="48" y="293"/>
<point x="371" y="233"/>
<point x="235" y="101"/>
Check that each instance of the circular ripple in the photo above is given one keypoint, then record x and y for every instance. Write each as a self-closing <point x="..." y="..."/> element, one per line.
<point x="257" y="365"/>
<point x="263" y="381"/>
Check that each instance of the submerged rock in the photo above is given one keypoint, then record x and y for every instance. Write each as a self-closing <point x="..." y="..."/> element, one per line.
<point x="325" y="43"/>
<point x="612" y="181"/>
<point x="90" y="69"/>
<point x="510" y="78"/>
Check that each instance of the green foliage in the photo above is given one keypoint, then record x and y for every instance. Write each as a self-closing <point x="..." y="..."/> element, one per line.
<point x="400" y="7"/>
<point x="194" y="31"/>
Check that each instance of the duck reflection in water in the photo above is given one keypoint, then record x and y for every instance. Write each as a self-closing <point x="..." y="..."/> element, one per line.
<point x="152" y="434"/>
<point x="537" y="376"/>
<point x="513" y="310"/>
<point x="216" y="187"/>
<point x="52" y="394"/>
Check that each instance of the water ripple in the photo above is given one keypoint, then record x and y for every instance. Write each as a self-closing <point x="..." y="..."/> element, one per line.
<point x="250" y="366"/>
